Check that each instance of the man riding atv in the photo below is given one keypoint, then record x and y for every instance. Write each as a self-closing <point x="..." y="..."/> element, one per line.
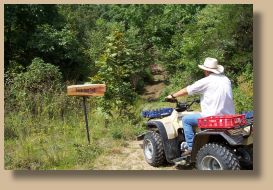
<point x="216" y="98"/>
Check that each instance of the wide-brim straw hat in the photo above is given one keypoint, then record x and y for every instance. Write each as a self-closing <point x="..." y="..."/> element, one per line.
<point x="211" y="64"/>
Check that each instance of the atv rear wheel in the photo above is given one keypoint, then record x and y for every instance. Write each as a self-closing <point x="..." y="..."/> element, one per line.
<point x="153" y="149"/>
<point x="216" y="157"/>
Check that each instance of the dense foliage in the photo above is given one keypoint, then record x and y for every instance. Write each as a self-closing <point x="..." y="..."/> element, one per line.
<point x="48" y="47"/>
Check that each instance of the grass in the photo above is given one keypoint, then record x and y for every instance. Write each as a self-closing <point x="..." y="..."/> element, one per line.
<point x="39" y="143"/>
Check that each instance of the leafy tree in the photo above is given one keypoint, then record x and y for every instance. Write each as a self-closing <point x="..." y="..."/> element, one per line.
<point x="21" y="22"/>
<point x="221" y="31"/>
<point x="41" y="31"/>
<point x="117" y="66"/>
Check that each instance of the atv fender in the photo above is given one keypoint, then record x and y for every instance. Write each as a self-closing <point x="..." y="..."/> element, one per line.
<point x="214" y="135"/>
<point x="171" y="146"/>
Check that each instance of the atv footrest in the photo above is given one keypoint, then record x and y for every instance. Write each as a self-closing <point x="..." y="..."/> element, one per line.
<point x="181" y="160"/>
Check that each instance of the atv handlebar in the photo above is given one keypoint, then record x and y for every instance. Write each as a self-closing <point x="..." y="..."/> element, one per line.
<point x="181" y="106"/>
<point x="172" y="100"/>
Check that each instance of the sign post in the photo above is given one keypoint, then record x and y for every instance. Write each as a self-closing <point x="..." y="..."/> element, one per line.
<point x="86" y="118"/>
<point x="85" y="91"/>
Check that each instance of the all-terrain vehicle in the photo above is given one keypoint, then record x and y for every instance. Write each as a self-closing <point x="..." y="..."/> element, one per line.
<point x="214" y="148"/>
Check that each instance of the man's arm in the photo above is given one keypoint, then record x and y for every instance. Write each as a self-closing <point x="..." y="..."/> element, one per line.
<point x="181" y="92"/>
<point x="197" y="87"/>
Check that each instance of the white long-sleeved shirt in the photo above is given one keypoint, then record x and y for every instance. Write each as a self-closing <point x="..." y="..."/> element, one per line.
<point x="216" y="95"/>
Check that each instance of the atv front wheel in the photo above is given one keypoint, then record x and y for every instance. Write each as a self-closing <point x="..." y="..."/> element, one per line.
<point x="216" y="157"/>
<point x="153" y="149"/>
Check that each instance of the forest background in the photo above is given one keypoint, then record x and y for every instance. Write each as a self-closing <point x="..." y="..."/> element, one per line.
<point x="48" y="47"/>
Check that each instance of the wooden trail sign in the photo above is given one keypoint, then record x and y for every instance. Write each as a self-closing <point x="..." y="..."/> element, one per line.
<point x="86" y="90"/>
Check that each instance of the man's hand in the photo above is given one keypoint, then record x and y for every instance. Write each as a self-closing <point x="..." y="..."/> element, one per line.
<point x="169" y="97"/>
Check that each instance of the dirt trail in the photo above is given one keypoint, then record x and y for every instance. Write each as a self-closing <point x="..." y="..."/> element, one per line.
<point x="153" y="91"/>
<point x="128" y="158"/>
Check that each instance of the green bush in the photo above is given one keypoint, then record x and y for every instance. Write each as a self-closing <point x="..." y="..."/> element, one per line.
<point x="36" y="90"/>
<point x="243" y="93"/>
